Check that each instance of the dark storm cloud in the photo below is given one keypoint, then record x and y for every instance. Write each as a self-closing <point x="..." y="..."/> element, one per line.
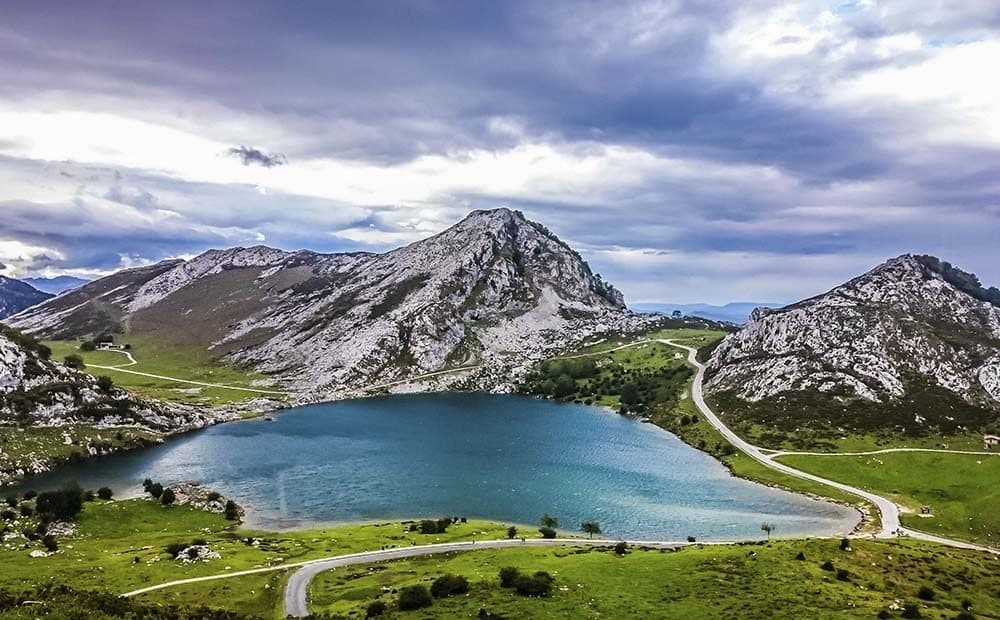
<point x="255" y="157"/>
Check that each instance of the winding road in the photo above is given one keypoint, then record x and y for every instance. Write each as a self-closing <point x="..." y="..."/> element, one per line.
<point x="889" y="511"/>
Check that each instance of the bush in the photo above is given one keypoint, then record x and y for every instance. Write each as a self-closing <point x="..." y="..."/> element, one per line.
<point x="845" y="545"/>
<point x="88" y="495"/>
<point x="843" y="575"/>
<point x="105" y="493"/>
<point x="213" y="496"/>
<point x="30" y="495"/>
<point x="828" y="565"/>
<point x="511" y="532"/>
<point x="547" y="532"/>
<point x="508" y="575"/>
<point x="50" y="543"/>
<point x="414" y="597"/>
<point x="174" y="549"/>
<point x="105" y="384"/>
<point x="8" y="515"/>
<point x="692" y="539"/>
<point x="926" y="593"/>
<point x="911" y="611"/>
<point x="11" y="501"/>
<point x="801" y="556"/>
<point x="88" y="345"/>
<point x="375" y="609"/>
<point x="168" y="497"/>
<point x="539" y="584"/>
<point x="449" y="585"/>
<point x="64" y="504"/>
<point x="26" y="511"/>
<point x="232" y="511"/>
<point x="74" y="361"/>
<point x="155" y="489"/>
<point x="621" y="548"/>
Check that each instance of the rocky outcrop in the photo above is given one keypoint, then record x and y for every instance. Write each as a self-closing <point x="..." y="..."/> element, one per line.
<point x="913" y="319"/>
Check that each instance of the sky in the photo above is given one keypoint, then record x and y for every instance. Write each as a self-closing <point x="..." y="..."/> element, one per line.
<point x="691" y="150"/>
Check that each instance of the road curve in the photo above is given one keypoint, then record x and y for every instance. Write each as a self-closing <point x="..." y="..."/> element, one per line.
<point x="296" y="592"/>
<point x="780" y="453"/>
<point x="189" y="382"/>
<point x="891" y="526"/>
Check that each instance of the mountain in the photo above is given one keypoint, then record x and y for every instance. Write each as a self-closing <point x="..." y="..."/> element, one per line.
<point x="735" y="312"/>
<point x="16" y="295"/>
<point x="913" y="344"/>
<point x="57" y="284"/>
<point x="493" y="289"/>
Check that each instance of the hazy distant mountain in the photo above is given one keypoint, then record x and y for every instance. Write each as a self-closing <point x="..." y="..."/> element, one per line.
<point x="55" y="285"/>
<point x="16" y="295"/>
<point x="911" y="344"/>
<point x="494" y="287"/>
<point x="736" y="312"/>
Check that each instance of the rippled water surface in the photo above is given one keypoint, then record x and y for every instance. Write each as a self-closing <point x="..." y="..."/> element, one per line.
<point x="501" y="457"/>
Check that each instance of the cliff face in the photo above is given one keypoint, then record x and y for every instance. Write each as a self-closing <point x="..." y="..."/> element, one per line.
<point x="491" y="287"/>
<point x="912" y="321"/>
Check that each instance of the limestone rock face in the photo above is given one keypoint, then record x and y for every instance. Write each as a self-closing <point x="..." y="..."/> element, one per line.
<point x="494" y="289"/>
<point x="913" y="316"/>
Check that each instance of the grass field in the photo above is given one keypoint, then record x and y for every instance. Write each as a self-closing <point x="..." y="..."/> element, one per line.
<point x="119" y="547"/>
<point x="961" y="490"/>
<point x="187" y="363"/>
<point x="732" y="581"/>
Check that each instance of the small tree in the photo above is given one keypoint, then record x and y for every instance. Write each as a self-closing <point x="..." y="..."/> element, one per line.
<point x="547" y="532"/>
<point x="926" y="593"/>
<point x="168" y="497"/>
<point x="105" y="384"/>
<point x="621" y="547"/>
<point x="511" y="532"/>
<point x="63" y="504"/>
<point x="74" y="361"/>
<point x="414" y="597"/>
<point x="449" y="585"/>
<point x="590" y="528"/>
<point x="105" y="493"/>
<point x="50" y="542"/>
<point x="375" y="609"/>
<point x="767" y="528"/>
<point x="155" y="489"/>
<point x="88" y="345"/>
<point x="508" y="575"/>
<point x="548" y="521"/>
<point x="232" y="512"/>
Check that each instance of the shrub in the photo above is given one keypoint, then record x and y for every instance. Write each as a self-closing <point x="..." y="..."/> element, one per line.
<point x="30" y="495"/>
<point x="621" y="548"/>
<point x="511" y="532"/>
<point x="550" y="522"/>
<point x="105" y="384"/>
<point x="508" y="575"/>
<point x="539" y="584"/>
<point x="26" y="511"/>
<point x="845" y="545"/>
<point x="449" y="585"/>
<point x="926" y="593"/>
<point x="8" y="515"/>
<point x="201" y="542"/>
<point x="192" y="553"/>
<point x="168" y="497"/>
<point x="155" y="489"/>
<point x="174" y="549"/>
<point x="828" y="565"/>
<point x="88" y="495"/>
<point x="911" y="611"/>
<point x="547" y="532"/>
<point x="74" y="361"/>
<point x="50" y="542"/>
<point x="105" y="493"/>
<point x="692" y="539"/>
<point x="843" y="575"/>
<point x="414" y="597"/>
<point x="88" y="345"/>
<point x="64" y="504"/>
<point x="232" y="511"/>
<point x="800" y="556"/>
<point x="214" y="496"/>
<point x="375" y="609"/>
<point x="11" y="501"/>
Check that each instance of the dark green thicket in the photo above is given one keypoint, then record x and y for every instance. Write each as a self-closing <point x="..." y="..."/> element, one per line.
<point x="64" y="602"/>
<point x="962" y="280"/>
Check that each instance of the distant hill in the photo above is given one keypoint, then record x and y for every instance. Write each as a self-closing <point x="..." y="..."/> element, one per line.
<point x="55" y="285"/>
<point x="910" y="346"/>
<point x="16" y="295"/>
<point x="494" y="289"/>
<point x="736" y="312"/>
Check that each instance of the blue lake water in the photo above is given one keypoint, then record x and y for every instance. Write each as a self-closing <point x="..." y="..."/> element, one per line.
<point x="506" y="458"/>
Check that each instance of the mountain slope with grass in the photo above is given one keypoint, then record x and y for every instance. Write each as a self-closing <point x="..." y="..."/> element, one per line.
<point x="494" y="289"/>
<point x="912" y="346"/>
<point x="16" y="295"/>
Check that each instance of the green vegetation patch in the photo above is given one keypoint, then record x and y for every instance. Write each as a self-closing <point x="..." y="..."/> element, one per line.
<point x="730" y="581"/>
<point x="961" y="490"/>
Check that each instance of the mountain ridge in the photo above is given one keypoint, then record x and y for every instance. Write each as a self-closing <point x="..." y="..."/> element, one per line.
<point x="16" y="295"/>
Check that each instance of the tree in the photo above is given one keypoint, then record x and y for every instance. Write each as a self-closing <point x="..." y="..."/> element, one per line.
<point x="155" y="489"/>
<point x="449" y="585"/>
<point x="548" y="521"/>
<point x="414" y="597"/>
<point x="74" y="361"/>
<point x="629" y="394"/>
<point x="63" y="504"/>
<point x="375" y="609"/>
<point x="547" y="532"/>
<point x="232" y="512"/>
<point x="511" y="532"/>
<point x="539" y="584"/>
<point x="590" y="528"/>
<point x="621" y="548"/>
<point x="564" y="386"/>
<point x="50" y="542"/>
<point x="105" y="493"/>
<point x="105" y="384"/>
<point x="88" y="345"/>
<point x="508" y="575"/>
<point x="168" y="497"/>
<point x="767" y="528"/>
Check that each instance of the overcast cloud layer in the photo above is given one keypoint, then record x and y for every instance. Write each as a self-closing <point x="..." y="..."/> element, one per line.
<point x="693" y="151"/>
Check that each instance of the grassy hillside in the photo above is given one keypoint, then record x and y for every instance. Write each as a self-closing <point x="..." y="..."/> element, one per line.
<point x="961" y="490"/>
<point x="182" y="362"/>
<point x="732" y="581"/>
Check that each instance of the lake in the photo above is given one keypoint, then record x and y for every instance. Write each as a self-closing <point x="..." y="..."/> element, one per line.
<point x="501" y="457"/>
